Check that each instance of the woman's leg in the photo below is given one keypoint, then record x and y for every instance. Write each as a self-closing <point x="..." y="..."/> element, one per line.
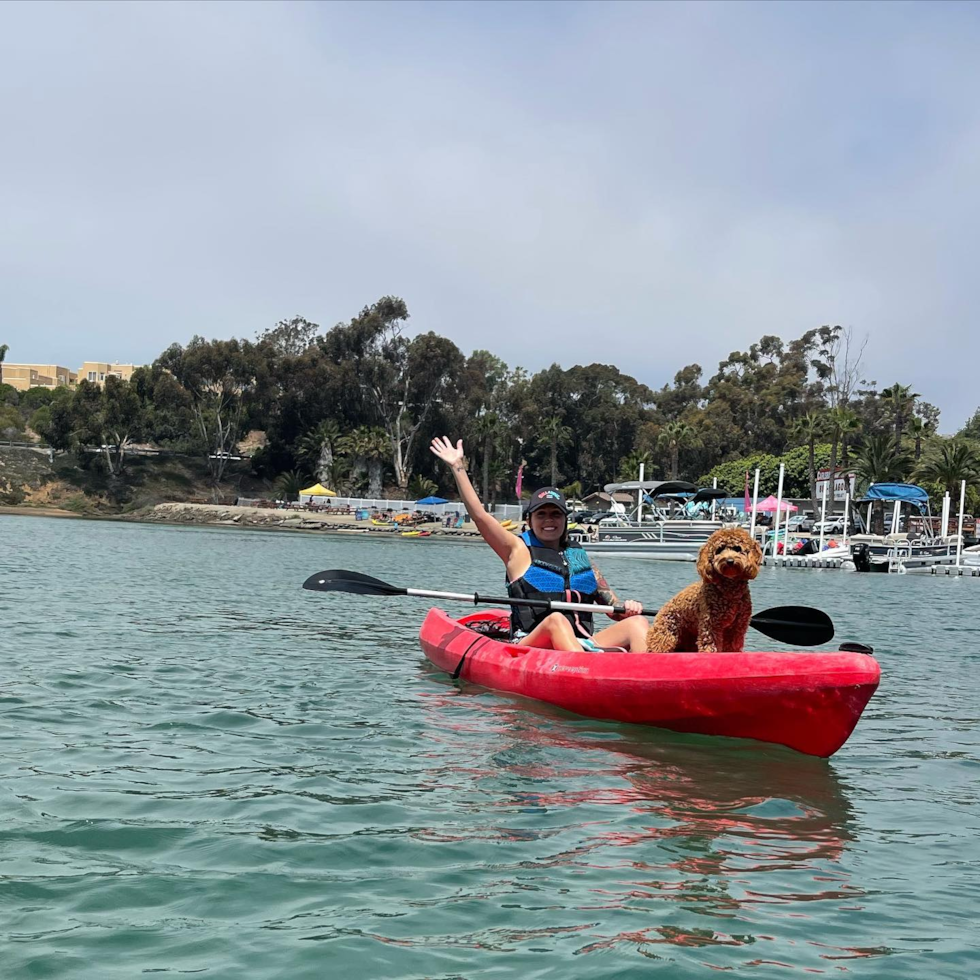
<point x="630" y="633"/>
<point x="553" y="632"/>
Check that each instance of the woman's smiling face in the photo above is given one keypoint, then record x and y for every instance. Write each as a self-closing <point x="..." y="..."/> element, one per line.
<point x="547" y="523"/>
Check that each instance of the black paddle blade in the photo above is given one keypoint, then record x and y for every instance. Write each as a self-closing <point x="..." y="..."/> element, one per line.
<point x="798" y="626"/>
<point x="341" y="580"/>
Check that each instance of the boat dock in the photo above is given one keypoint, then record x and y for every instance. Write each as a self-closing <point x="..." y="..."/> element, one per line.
<point x="967" y="571"/>
<point x="803" y="561"/>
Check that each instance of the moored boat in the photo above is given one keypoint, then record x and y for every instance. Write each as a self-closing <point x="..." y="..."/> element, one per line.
<point x="809" y="701"/>
<point x="657" y="533"/>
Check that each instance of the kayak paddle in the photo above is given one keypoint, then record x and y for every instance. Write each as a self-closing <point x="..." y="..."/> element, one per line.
<point x="801" y="626"/>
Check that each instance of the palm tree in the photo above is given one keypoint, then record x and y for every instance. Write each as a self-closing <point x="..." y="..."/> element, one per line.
<point x="554" y="433"/>
<point x="879" y="460"/>
<point x="339" y="475"/>
<point x="629" y="466"/>
<point x="421" y="486"/>
<point x="351" y="446"/>
<point x="289" y="484"/>
<point x="316" y="448"/>
<point x="487" y="428"/>
<point x="376" y="448"/>
<point x="673" y="436"/>
<point x="809" y="427"/>
<point x="918" y="429"/>
<point x="951" y="462"/>
<point x="3" y="353"/>
<point x="367" y="448"/>
<point x="848" y="425"/>
<point x="900" y="400"/>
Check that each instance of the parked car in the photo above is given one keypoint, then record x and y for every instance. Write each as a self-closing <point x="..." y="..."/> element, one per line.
<point x="833" y="525"/>
<point x="581" y="516"/>
<point x="802" y="523"/>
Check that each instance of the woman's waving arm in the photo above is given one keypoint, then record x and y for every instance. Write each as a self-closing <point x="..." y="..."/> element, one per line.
<point x="503" y="542"/>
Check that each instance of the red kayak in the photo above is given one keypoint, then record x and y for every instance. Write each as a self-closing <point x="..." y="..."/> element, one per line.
<point x="810" y="701"/>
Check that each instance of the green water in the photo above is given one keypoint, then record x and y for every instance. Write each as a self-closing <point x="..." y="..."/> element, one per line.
<point x="205" y="770"/>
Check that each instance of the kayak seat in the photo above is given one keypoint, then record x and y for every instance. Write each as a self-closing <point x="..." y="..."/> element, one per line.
<point x="492" y="628"/>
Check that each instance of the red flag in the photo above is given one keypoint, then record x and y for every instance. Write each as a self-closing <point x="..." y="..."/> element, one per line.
<point x="520" y="480"/>
<point x="748" y="500"/>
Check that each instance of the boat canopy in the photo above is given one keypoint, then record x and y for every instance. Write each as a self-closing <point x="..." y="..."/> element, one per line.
<point x="709" y="493"/>
<point x="906" y="493"/>
<point x="656" y="488"/>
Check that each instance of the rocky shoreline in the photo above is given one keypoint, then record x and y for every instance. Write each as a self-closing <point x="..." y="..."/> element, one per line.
<point x="258" y="518"/>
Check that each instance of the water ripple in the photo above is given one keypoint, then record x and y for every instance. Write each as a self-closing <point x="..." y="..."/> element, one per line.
<point x="206" y="770"/>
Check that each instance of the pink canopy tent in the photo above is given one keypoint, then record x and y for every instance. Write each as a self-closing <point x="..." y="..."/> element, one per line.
<point x="770" y="504"/>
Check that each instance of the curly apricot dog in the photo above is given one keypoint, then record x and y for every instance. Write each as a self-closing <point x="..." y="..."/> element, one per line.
<point x="711" y="615"/>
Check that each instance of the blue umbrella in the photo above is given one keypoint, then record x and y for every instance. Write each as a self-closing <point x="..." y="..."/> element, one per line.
<point x="428" y="501"/>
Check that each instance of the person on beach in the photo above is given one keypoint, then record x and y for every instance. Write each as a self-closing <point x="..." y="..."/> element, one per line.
<point x="541" y="564"/>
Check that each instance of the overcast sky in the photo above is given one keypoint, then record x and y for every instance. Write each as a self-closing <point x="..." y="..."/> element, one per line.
<point x="647" y="185"/>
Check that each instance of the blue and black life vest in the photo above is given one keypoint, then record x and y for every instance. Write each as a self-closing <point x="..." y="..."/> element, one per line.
<point x="566" y="576"/>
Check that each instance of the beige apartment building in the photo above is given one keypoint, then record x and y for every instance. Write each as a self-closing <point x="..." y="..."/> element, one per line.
<point x="24" y="376"/>
<point x="98" y="371"/>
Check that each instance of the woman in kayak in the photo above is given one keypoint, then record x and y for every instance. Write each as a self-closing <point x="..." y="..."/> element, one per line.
<point x="541" y="564"/>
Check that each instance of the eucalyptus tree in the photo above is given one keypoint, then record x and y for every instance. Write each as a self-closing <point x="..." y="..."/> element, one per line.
<point x="401" y="379"/>
<point x="106" y="418"/>
<point x="971" y="430"/>
<point x="290" y="337"/>
<point x="223" y="378"/>
<point x="838" y="363"/>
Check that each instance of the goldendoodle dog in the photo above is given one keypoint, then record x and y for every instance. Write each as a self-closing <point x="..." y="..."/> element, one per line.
<point x="711" y="615"/>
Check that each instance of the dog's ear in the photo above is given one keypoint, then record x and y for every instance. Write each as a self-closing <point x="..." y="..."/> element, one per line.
<point x="755" y="553"/>
<point x="705" y="568"/>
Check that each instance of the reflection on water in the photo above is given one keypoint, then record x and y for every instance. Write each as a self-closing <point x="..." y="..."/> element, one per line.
<point x="206" y="770"/>
<point x="716" y="832"/>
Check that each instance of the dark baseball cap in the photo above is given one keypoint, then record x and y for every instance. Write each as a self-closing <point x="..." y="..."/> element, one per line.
<point x="546" y="495"/>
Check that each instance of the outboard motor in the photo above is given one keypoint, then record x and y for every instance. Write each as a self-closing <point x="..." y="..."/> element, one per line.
<point x="861" y="556"/>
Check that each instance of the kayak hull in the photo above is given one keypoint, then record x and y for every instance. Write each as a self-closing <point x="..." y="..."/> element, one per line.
<point x="809" y="701"/>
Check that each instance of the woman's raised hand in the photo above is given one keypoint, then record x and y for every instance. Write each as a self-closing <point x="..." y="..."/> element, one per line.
<point x="444" y="449"/>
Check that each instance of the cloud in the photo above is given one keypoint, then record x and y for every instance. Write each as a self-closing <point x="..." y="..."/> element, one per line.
<point x="644" y="184"/>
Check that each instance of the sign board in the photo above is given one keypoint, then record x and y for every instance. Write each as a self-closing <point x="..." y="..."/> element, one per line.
<point x="843" y="484"/>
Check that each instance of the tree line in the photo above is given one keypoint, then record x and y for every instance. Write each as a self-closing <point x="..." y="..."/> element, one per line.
<point x="355" y="406"/>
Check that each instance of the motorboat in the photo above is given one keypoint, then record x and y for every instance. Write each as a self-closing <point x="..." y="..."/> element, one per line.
<point x="917" y="548"/>
<point x="673" y="528"/>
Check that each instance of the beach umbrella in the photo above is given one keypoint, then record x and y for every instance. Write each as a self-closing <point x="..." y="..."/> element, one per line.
<point x="770" y="504"/>
<point x="318" y="491"/>
<point x="429" y="501"/>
